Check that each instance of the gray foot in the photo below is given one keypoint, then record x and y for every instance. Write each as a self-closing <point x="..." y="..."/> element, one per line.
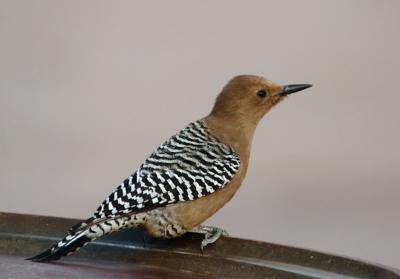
<point x="211" y="234"/>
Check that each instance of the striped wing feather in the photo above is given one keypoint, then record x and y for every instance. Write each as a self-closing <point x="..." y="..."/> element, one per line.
<point x="190" y="165"/>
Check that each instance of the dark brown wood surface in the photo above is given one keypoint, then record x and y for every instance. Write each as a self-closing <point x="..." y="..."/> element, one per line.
<point x="132" y="254"/>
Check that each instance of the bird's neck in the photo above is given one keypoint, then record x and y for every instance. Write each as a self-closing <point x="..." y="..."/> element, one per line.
<point x="232" y="131"/>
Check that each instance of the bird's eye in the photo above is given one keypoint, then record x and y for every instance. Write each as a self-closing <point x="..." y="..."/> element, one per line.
<point x="262" y="93"/>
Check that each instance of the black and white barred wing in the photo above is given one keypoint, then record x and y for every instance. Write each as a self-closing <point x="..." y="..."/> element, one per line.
<point x="191" y="165"/>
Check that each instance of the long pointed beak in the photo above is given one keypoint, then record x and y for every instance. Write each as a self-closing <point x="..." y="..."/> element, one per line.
<point x="292" y="88"/>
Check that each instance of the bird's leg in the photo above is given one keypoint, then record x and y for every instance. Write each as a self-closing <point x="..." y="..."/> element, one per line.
<point x="211" y="234"/>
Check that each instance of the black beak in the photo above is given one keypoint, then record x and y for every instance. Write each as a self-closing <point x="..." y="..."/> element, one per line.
<point x="292" y="88"/>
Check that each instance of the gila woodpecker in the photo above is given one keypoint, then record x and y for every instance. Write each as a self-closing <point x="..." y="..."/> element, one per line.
<point x="190" y="176"/>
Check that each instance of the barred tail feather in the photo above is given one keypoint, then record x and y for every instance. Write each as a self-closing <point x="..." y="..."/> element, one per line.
<point x="81" y="225"/>
<point x="75" y="240"/>
<point x="64" y="247"/>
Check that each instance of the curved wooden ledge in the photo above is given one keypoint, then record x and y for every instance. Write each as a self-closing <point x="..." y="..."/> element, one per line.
<point x="132" y="254"/>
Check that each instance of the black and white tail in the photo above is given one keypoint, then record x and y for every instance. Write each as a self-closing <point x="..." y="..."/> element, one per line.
<point x="77" y="239"/>
<point x="69" y="244"/>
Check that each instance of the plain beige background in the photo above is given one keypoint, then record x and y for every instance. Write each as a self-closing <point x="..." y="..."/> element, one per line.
<point x="89" y="88"/>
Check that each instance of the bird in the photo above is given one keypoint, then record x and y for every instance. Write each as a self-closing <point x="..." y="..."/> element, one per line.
<point x="190" y="176"/>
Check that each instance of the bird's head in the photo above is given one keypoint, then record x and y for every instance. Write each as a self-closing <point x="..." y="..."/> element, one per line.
<point x="248" y="98"/>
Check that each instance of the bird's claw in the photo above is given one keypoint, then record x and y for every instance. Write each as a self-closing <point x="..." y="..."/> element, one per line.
<point x="211" y="235"/>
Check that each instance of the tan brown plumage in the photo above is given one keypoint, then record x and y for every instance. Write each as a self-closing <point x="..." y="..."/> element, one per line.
<point x="233" y="121"/>
<point x="189" y="177"/>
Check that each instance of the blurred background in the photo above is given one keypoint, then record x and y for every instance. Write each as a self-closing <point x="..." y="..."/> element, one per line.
<point x="88" y="89"/>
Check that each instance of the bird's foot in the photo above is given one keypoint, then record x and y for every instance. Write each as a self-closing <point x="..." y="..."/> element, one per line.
<point x="211" y="234"/>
